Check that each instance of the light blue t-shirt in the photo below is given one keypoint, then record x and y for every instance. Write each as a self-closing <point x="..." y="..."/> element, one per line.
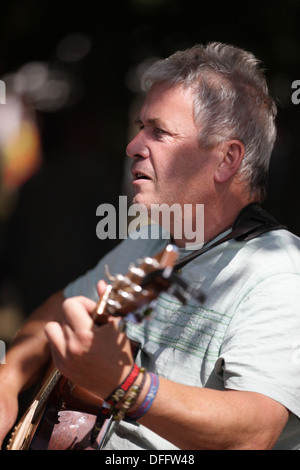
<point x="246" y="335"/>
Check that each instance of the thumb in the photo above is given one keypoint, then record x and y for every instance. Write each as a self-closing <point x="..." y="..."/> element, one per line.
<point x="101" y="287"/>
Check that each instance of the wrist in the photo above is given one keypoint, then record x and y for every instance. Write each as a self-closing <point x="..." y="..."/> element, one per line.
<point x="131" y="400"/>
<point x="146" y="400"/>
<point x="142" y="395"/>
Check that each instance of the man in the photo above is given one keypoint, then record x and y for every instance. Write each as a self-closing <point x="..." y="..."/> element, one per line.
<point x="224" y="375"/>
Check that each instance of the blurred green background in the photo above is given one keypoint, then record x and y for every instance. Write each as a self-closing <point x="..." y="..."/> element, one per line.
<point x="71" y="72"/>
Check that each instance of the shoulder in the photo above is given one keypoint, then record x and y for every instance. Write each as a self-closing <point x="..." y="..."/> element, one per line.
<point x="132" y="250"/>
<point x="275" y="251"/>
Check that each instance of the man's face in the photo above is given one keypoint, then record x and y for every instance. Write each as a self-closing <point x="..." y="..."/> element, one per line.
<point x="169" y="164"/>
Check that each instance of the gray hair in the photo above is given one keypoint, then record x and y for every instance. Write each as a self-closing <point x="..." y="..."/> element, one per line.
<point x="232" y="101"/>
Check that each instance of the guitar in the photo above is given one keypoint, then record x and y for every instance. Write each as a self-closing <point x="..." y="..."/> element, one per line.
<point x="62" y="415"/>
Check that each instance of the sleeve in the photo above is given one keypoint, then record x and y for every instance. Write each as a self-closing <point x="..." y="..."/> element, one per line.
<point x="261" y="348"/>
<point x="87" y="283"/>
<point x="118" y="261"/>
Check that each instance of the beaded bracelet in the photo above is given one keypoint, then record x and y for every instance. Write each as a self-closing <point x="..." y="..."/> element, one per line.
<point x="130" y="399"/>
<point x="112" y="400"/>
<point x="148" y="400"/>
<point x="116" y="396"/>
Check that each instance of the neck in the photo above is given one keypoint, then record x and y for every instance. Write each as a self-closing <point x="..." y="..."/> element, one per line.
<point x="209" y="223"/>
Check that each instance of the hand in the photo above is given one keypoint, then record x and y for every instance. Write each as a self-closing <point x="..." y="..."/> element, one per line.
<point x="8" y="410"/>
<point x="95" y="358"/>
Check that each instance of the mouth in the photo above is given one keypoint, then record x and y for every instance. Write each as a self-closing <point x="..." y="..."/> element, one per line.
<point x="140" y="176"/>
<point x="137" y="176"/>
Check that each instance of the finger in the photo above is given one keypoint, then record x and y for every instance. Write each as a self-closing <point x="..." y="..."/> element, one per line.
<point x="119" y="324"/>
<point x="77" y="313"/>
<point x="101" y="287"/>
<point x="115" y="321"/>
<point x="56" y="338"/>
<point x="58" y="345"/>
<point x="87" y="303"/>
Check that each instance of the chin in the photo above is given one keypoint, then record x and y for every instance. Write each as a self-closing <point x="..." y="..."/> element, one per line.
<point x="140" y="204"/>
<point x="139" y="199"/>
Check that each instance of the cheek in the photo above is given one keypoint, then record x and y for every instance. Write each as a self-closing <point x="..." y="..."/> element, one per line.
<point x="190" y="180"/>
<point x="181" y="165"/>
<point x="185" y="168"/>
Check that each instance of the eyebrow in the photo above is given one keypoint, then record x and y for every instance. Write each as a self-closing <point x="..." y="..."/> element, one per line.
<point x="156" y="122"/>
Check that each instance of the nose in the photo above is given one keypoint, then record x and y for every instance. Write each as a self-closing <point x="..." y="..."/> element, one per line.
<point x="138" y="148"/>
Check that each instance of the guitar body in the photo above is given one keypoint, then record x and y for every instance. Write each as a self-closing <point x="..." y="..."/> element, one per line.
<point x="66" y="429"/>
<point x="65" y="422"/>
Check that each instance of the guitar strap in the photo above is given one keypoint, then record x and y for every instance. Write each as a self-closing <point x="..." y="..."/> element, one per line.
<point x="251" y="222"/>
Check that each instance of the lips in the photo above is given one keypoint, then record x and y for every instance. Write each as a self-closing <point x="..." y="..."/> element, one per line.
<point x="139" y="175"/>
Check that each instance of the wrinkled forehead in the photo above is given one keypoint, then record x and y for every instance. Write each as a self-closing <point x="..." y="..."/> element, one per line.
<point x="167" y="103"/>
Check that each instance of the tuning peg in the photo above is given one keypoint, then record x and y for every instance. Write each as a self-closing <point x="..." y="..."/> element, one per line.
<point x="108" y="275"/>
<point x="139" y="272"/>
<point x="113" y="304"/>
<point x="126" y="295"/>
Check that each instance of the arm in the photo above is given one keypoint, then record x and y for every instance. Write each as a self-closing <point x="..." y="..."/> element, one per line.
<point x="215" y="420"/>
<point x="28" y="353"/>
<point x="189" y="417"/>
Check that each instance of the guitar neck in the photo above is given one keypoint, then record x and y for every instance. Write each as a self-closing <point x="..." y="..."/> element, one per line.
<point x="42" y="396"/>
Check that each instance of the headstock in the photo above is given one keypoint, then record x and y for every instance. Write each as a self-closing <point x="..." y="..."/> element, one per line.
<point x="142" y="284"/>
<point x="126" y="293"/>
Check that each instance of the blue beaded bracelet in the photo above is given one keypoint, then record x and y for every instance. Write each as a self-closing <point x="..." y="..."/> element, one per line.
<point x="148" y="400"/>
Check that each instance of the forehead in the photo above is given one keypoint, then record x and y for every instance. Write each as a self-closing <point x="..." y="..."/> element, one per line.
<point x="174" y="105"/>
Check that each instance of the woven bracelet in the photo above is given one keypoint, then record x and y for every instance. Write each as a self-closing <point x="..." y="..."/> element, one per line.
<point x="117" y="395"/>
<point x="148" y="400"/>
<point x="121" y="390"/>
<point x="130" y="399"/>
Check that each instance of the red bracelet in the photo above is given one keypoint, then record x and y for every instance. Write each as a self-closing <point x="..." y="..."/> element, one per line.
<point x="117" y="394"/>
<point x="120" y="391"/>
<point x="109" y="403"/>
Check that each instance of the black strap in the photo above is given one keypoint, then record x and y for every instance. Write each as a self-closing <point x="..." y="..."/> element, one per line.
<point x="251" y="222"/>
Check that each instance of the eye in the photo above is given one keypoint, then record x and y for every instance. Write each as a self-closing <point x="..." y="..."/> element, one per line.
<point x="159" y="132"/>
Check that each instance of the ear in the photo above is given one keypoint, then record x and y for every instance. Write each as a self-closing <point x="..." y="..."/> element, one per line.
<point x="232" y="154"/>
